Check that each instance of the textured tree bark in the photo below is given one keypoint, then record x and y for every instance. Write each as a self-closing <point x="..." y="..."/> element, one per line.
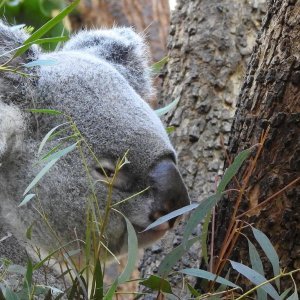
<point x="151" y="17"/>
<point x="270" y="99"/>
<point x="209" y="46"/>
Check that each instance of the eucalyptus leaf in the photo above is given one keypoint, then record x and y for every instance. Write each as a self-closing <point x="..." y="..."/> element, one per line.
<point x="47" y="136"/>
<point x="270" y="252"/>
<point x="171" y="215"/>
<point x="257" y="266"/>
<point x="46" y="27"/>
<point x="46" y="111"/>
<point x="164" y="110"/>
<point x="157" y="67"/>
<point x="26" y="199"/>
<point x="255" y="278"/>
<point x="209" y="276"/>
<point x="157" y="283"/>
<point x="41" y="62"/>
<point x="204" y="233"/>
<point x="199" y="214"/>
<point x="233" y="169"/>
<point x="111" y="291"/>
<point x="60" y="153"/>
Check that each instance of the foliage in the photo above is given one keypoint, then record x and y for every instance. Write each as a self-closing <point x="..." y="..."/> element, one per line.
<point x="35" y="13"/>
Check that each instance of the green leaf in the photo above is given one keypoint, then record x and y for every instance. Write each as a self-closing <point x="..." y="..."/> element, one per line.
<point x="233" y="169"/>
<point x="192" y="290"/>
<point x="164" y="110"/>
<point x="53" y="158"/>
<point x="27" y="285"/>
<point x="10" y="295"/>
<point x="209" y="276"/>
<point x="171" y="215"/>
<point x="132" y="253"/>
<point x="285" y="293"/>
<point x="26" y="199"/>
<point x="98" y="275"/>
<point x="46" y="111"/>
<point x="198" y="214"/>
<point x="157" y="283"/>
<point x="46" y="27"/>
<point x="257" y="266"/>
<point x="110" y="293"/>
<point x="294" y="296"/>
<point x="47" y="136"/>
<point x="171" y="258"/>
<point x="255" y="278"/>
<point x="170" y="129"/>
<point x="29" y="231"/>
<point x="270" y="252"/>
<point x="204" y="233"/>
<point x="157" y="67"/>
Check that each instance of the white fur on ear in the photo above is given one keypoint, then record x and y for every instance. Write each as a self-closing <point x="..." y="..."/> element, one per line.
<point x="12" y="127"/>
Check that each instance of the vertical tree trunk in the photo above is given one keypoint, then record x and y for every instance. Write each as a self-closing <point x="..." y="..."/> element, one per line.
<point x="269" y="100"/>
<point x="151" y="17"/>
<point x="209" y="46"/>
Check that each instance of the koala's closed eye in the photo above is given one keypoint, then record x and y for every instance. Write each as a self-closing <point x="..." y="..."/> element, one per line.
<point x="107" y="171"/>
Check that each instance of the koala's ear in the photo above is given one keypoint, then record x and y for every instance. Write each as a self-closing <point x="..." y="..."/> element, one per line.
<point x="12" y="128"/>
<point x="13" y="86"/>
<point x="122" y="47"/>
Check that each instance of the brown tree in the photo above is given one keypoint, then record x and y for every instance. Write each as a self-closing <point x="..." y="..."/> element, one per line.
<point x="269" y="106"/>
<point x="210" y="43"/>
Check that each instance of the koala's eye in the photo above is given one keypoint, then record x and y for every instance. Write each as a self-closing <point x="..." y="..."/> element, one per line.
<point x="104" y="170"/>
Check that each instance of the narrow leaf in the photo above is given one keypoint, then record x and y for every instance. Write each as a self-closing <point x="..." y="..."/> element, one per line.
<point x="173" y="214"/>
<point x="157" y="67"/>
<point x="28" y="277"/>
<point x="164" y="110"/>
<point x="294" y="296"/>
<point x="192" y="290"/>
<point x="132" y="253"/>
<point x="255" y="278"/>
<point x="46" y="27"/>
<point x="285" y="293"/>
<point x="110" y="293"/>
<point x="233" y="169"/>
<point x="257" y="266"/>
<point x="47" y="136"/>
<point x="209" y="276"/>
<point x="270" y="252"/>
<point x="204" y="233"/>
<point x="52" y="160"/>
<point x="26" y="199"/>
<point x="46" y="111"/>
<point x="171" y="258"/>
<point x="157" y="283"/>
<point x="98" y="275"/>
<point x="198" y="215"/>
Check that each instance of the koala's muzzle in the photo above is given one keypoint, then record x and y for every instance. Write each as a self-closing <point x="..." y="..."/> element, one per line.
<point x="168" y="190"/>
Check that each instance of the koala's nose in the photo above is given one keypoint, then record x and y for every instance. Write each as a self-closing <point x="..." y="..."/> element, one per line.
<point x="168" y="190"/>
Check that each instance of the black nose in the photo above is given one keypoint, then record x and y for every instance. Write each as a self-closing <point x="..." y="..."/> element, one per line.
<point x="168" y="189"/>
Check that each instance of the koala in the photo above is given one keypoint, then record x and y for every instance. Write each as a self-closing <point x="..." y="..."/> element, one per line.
<point x="101" y="79"/>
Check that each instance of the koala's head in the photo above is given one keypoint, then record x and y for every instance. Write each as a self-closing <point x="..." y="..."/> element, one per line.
<point x="100" y="78"/>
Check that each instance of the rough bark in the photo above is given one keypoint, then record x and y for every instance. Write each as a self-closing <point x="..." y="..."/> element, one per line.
<point x="270" y="98"/>
<point x="151" y="17"/>
<point x="209" y="45"/>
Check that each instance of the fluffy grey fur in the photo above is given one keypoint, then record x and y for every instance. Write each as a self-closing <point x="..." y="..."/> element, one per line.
<point x="99" y="78"/>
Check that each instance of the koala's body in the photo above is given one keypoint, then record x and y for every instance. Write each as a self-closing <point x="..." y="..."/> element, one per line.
<point x="100" y="78"/>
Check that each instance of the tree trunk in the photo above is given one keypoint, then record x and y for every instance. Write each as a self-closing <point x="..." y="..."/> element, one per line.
<point x="269" y="102"/>
<point x="209" y="46"/>
<point x="151" y="17"/>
